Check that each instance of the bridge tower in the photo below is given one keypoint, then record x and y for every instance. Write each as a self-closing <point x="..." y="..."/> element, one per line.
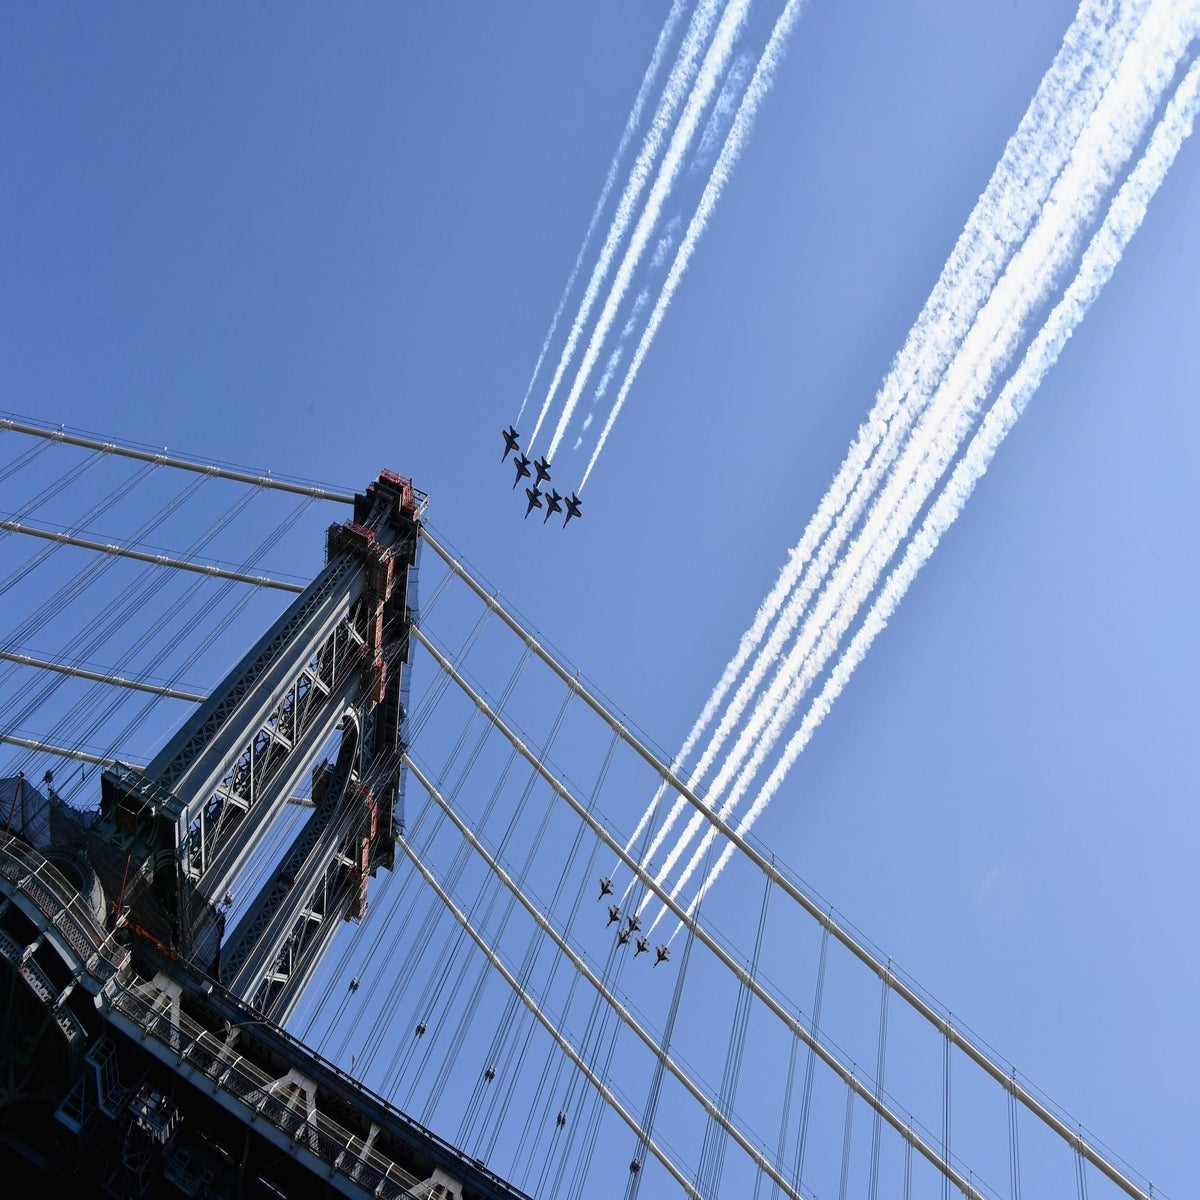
<point x="142" y="1045"/>
<point x="173" y="838"/>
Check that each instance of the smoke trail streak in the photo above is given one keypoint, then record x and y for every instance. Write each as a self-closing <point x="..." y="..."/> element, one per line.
<point x="673" y="95"/>
<point x="1096" y="268"/>
<point x="707" y="82"/>
<point x="735" y="141"/>
<point x="1022" y="179"/>
<point x="1127" y="107"/>
<point x="1066" y="129"/>
<point x="717" y="127"/>
<point x="635" y="119"/>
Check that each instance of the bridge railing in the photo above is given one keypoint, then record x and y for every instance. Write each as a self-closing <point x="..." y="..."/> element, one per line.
<point x="59" y="901"/>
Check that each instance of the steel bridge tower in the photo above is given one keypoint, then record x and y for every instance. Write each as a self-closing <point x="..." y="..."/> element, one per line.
<point x="142" y="1045"/>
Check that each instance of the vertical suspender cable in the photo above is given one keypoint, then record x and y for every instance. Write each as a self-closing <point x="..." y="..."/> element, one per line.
<point x="806" y="1101"/>
<point x="946" y="1046"/>
<point x="880" y="1062"/>
<point x="784" y="1117"/>
<point x="647" y="1125"/>
<point x="1014" y="1147"/>
<point x="23" y="459"/>
<point x="493" y="892"/>
<point x="908" y="1169"/>
<point x="397" y="985"/>
<point x="1080" y="1171"/>
<point x="845" y="1175"/>
<point x="712" y="1155"/>
<point x="569" y="1122"/>
<point x="601" y="1025"/>
<point x="395" y="891"/>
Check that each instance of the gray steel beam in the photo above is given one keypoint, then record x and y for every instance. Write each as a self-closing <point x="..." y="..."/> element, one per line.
<point x="196" y="759"/>
<point x="169" y="460"/>
<point x="159" y="560"/>
<point x="234" y="855"/>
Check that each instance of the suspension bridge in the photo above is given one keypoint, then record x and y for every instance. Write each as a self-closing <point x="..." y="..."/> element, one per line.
<point x="367" y="877"/>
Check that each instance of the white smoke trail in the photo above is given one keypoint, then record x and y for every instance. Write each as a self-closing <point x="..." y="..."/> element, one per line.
<point x="656" y="261"/>
<point x="707" y="82"/>
<point x="1075" y="201"/>
<point x="635" y="119"/>
<point x="1085" y="33"/>
<point x="1019" y="185"/>
<point x="1096" y="268"/>
<point x="735" y="141"/>
<point x="718" y="123"/>
<point x="614" y="361"/>
<point x="673" y="94"/>
<point x="1051" y="154"/>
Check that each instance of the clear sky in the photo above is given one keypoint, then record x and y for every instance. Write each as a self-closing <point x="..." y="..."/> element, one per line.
<point x="328" y="240"/>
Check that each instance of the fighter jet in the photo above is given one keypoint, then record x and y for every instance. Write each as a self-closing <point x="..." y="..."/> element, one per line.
<point x="643" y="944"/>
<point x="635" y="923"/>
<point x="553" y="504"/>
<point x="572" y="508"/>
<point x="543" y="469"/>
<point x="522" y="464"/>
<point x="605" y="888"/>
<point x="510" y="442"/>
<point x="623" y="937"/>
<point x="661" y="954"/>
<point x="535" y="499"/>
<point x="614" y="914"/>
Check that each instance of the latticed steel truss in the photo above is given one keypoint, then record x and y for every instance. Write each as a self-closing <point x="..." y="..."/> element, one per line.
<point x="194" y="820"/>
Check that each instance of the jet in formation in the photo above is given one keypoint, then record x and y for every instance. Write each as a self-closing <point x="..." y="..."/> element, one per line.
<point x="632" y="925"/>
<point x="525" y="468"/>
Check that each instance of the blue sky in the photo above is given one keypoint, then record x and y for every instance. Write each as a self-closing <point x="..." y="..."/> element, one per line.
<point x="328" y="241"/>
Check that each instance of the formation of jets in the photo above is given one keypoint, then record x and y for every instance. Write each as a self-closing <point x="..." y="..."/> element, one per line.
<point x="535" y="493"/>
<point x="632" y="925"/>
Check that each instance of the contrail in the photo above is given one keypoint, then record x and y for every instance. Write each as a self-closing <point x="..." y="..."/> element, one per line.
<point x="674" y="92"/>
<point x="1111" y="137"/>
<point x="717" y="126"/>
<point x="1074" y="201"/>
<point x="735" y="140"/>
<point x="635" y="119"/>
<point x="1096" y="268"/>
<point x="707" y="81"/>
<point x="1051" y="151"/>
<point x="1019" y="185"/>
